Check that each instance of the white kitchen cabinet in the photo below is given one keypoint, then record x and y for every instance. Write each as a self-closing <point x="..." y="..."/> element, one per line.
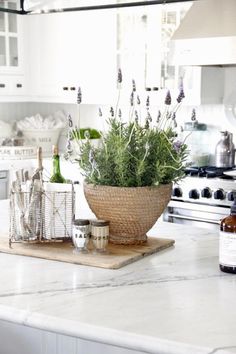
<point x="203" y="85"/>
<point x="68" y="50"/>
<point x="26" y="340"/>
<point x="13" y="85"/>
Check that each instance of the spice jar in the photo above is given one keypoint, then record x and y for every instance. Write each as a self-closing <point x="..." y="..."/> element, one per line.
<point x="100" y="234"/>
<point x="81" y="234"/>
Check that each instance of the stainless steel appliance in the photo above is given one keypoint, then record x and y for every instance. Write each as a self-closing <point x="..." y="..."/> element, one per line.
<point x="3" y="185"/>
<point x="225" y="150"/>
<point x="202" y="198"/>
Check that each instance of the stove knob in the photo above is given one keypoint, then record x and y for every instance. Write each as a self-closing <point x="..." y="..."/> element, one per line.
<point x="193" y="194"/>
<point x="206" y="193"/>
<point x="177" y="192"/>
<point x="219" y="194"/>
<point x="231" y="196"/>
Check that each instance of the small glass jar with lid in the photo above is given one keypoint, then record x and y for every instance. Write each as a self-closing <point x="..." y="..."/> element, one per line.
<point x="100" y="234"/>
<point x="81" y="234"/>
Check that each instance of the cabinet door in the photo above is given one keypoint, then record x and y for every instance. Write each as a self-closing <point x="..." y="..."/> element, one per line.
<point x="70" y="50"/>
<point x="10" y="40"/>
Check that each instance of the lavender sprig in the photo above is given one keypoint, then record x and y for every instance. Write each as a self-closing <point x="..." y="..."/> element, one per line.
<point x="168" y="98"/>
<point x="136" y="116"/>
<point x="100" y="112"/>
<point x="119" y="76"/>
<point x="193" y="116"/>
<point x="181" y="95"/>
<point x="132" y="99"/>
<point x="158" y="116"/>
<point x="79" y="95"/>
<point x="119" y="81"/>
<point x="112" y="112"/>
<point x="70" y="122"/>
<point x="134" y="85"/>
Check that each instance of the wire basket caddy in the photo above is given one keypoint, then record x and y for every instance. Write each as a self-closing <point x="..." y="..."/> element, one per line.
<point x="44" y="216"/>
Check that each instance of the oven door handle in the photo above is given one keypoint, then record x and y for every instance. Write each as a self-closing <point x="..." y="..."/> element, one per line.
<point x="183" y="217"/>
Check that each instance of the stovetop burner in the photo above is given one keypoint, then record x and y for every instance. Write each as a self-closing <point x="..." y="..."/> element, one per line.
<point x="207" y="171"/>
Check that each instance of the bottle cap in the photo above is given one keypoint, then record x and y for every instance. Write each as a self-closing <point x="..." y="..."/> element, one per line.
<point x="55" y="150"/>
<point x="99" y="222"/>
<point x="81" y="222"/>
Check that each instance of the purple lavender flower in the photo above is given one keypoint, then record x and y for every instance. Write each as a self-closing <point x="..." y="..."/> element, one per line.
<point x="119" y="76"/>
<point x="148" y="101"/>
<point x="119" y="113"/>
<point x="68" y="146"/>
<point x="181" y="95"/>
<point x="193" y="116"/>
<point x="175" y="123"/>
<point x="100" y="112"/>
<point x="173" y="116"/>
<point x="112" y="111"/>
<point x="177" y="145"/>
<point x="134" y="85"/>
<point x="146" y="126"/>
<point x="138" y="99"/>
<point x="136" y="116"/>
<point x="149" y="118"/>
<point x="158" y="116"/>
<point x="132" y="98"/>
<point x="79" y="96"/>
<point x="168" y="98"/>
<point x="70" y="122"/>
<point x="181" y="129"/>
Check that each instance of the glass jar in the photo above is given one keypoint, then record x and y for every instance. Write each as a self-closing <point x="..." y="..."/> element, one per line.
<point x="81" y="234"/>
<point x="100" y="234"/>
<point x="198" y="142"/>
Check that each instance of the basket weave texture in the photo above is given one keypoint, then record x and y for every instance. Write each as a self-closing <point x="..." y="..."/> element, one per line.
<point x="132" y="211"/>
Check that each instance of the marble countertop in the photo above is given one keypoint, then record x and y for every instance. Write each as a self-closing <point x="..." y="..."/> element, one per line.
<point x="176" y="301"/>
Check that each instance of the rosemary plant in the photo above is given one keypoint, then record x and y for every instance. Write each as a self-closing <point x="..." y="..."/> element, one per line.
<point x="134" y="154"/>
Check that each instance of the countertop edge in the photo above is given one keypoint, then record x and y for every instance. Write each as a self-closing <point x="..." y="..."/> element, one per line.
<point x="143" y="343"/>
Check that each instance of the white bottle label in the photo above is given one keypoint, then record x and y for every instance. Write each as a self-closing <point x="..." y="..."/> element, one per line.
<point x="227" y="249"/>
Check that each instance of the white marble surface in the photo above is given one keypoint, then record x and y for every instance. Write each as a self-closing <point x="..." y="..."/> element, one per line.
<point x="176" y="301"/>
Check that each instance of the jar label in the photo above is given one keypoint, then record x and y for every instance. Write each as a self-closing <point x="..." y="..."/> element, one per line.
<point x="79" y="238"/>
<point x="227" y="249"/>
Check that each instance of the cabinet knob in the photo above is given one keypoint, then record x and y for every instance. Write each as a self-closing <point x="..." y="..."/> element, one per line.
<point x="65" y="88"/>
<point x="73" y="88"/>
<point x="2" y="85"/>
<point x="19" y="85"/>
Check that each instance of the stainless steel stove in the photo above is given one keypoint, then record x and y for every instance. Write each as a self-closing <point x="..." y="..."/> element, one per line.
<point x="202" y="198"/>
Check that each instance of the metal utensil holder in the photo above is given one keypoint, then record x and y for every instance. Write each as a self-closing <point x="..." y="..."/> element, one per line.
<point x="42" y="217"/>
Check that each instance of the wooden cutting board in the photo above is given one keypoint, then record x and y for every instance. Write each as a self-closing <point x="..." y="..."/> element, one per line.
<point x="117" y="257"/>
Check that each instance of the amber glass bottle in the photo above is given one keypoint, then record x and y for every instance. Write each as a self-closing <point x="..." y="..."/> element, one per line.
<point x="56" y="176"/>
<point x="227" y="246"/>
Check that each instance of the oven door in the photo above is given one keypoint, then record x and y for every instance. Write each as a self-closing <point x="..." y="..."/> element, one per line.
<point x="3" y="185"/>
<point x="194" y="214"/>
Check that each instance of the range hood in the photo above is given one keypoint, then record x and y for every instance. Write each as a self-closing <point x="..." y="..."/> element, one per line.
<point x="207" y="34"/>
<point x="28" y="7"/>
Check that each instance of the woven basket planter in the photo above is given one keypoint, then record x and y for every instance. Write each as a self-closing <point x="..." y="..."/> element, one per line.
<point x="132" y="211"/>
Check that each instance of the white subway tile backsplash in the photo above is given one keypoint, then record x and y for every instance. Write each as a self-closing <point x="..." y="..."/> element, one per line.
<point x="215" y="116"/>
